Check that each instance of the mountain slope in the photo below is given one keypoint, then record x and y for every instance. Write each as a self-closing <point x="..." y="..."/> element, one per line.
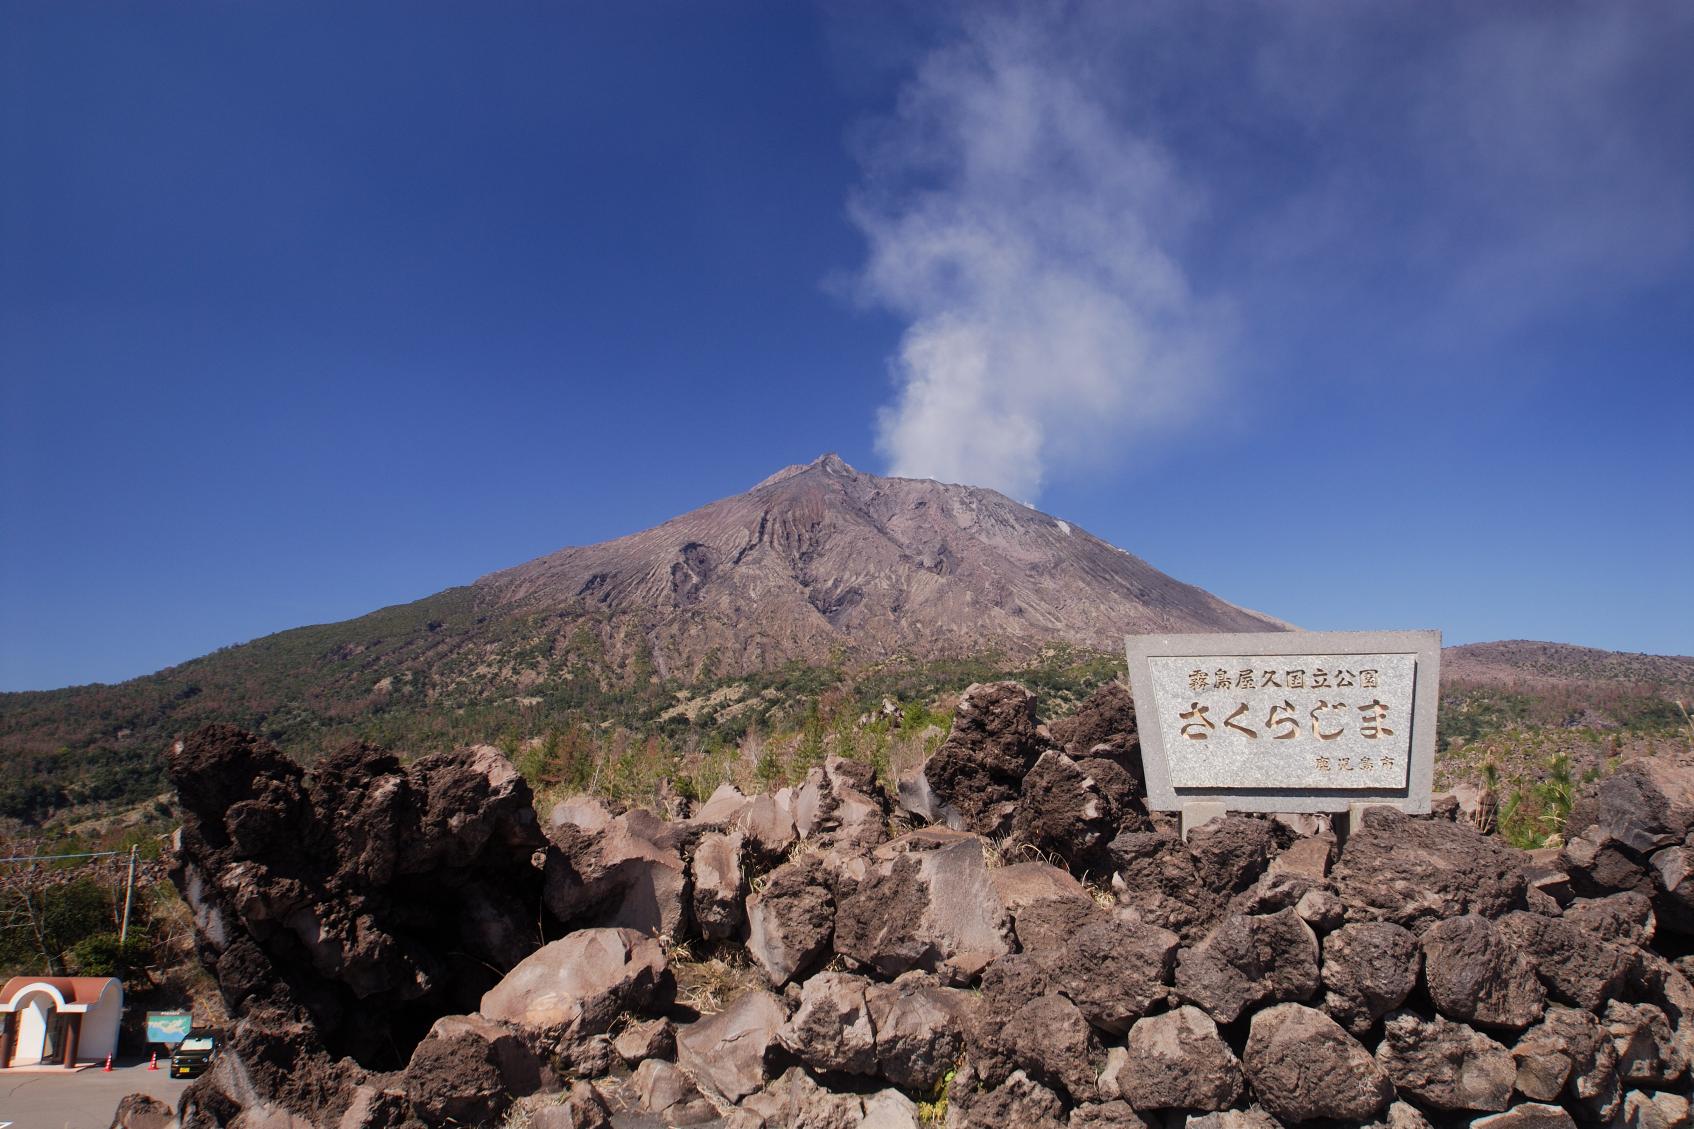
<point x="817" y="564"/>
<point x="820" y="558"/>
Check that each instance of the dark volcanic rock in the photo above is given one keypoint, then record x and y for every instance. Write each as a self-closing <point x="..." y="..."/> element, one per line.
<point x="1477" y="975"/>
<point x="920" y="1029"/>
<point x="1444" y="1065"/>
<point x="578" y="986"/>
<point x="1233" y="851"/>
<point x="1646" y="804"/>
<point x="1179" y="1061"/>
<point x="1303" y="1066"/>
<point x="1625" y="918"/>
<point x="138" y="1111"/>
<point x="1112" y="970"/>
<point x="1018" y="1101"/>
<point x="1063" y="811"/>
<point x="791" y="921"/>
<point x="977" y="773"/>
<point x="1414" y="871"/>
<point x="1577" y="967"/>
<point x="1102" y="726"/>
<point x="1247" y="960"/>
<point x="1368" y="970"/>
<point x="927" y="903"/>
<point x="455" y="1081"/>
<point x="375" y="894"/>
<point x="1159" y="880"/>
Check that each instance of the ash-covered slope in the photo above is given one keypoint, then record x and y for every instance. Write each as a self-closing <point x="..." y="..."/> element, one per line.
<point x="822" y="559"/>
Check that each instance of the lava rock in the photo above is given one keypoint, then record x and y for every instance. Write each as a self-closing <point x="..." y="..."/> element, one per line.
<point x="1233" y="852"/>
<point x="1180" y="1062"/>
<point x="1046" y="904"/>
<point x="791" y="922"/>
<point x="725" y="1054"/>
<point x="1114" y="971"/>
<point x="1527" y="1116"/>
<point x="1019" y="1101"/>
<point x="1061" y="810"/>
<point x="920" y="1029"/>
<point x="377" y="895"/>
<point x="926" y="903"/>
<point x="1444" y="1065"/>
<point x="976" y="776"/>
<point x="1303" y="1066"/>
<point x="579" y="985"/>
<point x="1160" y="881"/>
<point x="831" y="1029"/>
<point x="1369" y="968"/>
<point x="1248" y="960"/>
<point x="1625" y="918"/>
<point x="1476" y="974"/>
<point x="455" y="1080"/>
<point x="719" y="884"/>
<point x="1415" y="871"/>
<point x="1577" y="967"/>
<point x="627" y="872"/>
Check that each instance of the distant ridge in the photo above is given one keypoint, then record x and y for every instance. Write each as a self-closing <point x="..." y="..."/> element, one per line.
<point x="820" y="558"/>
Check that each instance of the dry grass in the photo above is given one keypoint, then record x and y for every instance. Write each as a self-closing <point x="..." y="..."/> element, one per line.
<point x="710" y="982"/>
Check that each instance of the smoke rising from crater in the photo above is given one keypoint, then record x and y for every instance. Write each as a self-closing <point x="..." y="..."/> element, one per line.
<point x="1092" y="218"/>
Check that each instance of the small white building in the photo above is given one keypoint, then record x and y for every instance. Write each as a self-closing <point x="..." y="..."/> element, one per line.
<point x="63" y="1020"/>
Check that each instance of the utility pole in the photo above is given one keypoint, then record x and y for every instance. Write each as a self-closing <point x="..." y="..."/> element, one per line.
<point x="129" y="895"/>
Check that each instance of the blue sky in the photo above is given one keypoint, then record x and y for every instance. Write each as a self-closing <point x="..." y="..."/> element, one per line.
<point x="1368" y="316"/>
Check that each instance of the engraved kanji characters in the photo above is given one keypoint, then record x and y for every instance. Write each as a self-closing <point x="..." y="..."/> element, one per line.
<point x="1367" y="680"/>
<point x="1197" y="680"/>
<point x="1244" y="680"/>
<point x="1296" y="680"/>
<point x="1320" y="679"/>
<point x="1220" y="679"/>
<point x="1268" y="680"/>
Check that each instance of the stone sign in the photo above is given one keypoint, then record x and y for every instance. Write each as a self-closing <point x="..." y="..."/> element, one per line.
<point x="1296" y="721"/>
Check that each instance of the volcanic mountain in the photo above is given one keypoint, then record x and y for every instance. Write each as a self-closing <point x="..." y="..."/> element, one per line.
<point x="817" y="565"/>
<point x="821" y="559"/>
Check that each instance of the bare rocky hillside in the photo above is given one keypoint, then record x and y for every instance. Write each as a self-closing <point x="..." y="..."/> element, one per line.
<point x="823" y="558"/>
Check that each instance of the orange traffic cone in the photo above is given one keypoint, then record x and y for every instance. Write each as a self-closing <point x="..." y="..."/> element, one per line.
<point x="154" y="1065"/>
<point x="108" y="1067"/>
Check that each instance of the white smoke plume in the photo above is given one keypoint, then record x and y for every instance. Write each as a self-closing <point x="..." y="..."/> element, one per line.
<point x="1027" y="240"/>
<point x="1093" y="217"/>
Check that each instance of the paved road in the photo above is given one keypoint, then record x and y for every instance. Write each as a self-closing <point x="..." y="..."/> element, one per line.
<point x="84" y="1100"/>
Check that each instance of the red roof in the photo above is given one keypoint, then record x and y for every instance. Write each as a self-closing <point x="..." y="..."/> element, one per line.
<point x="74" y="989"/>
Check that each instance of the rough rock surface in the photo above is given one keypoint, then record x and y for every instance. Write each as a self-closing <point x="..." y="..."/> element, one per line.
<point x="1061" y="810"/>
<point x="791" y="921"/>
<point x="1179" y="1061"/>
<point x="377" y="895"/>
<point x="1159" y="880"/>
<point x="976" y="775"/>
<point x="1114" y="971"/>
<point x="1577" y="967"/>
<point x="139" y="1111"/>
<point x="580" y="984"/>
<point x="1046" y="904"/>
<point x="719" y="884"/>
<point x="1416" y="871"/>
<point x="1303" y="1067"/>
<point x="1249" y="959"/>
<point x="1476" y="974"/>
<point x="1368" y="970"/>
<point x="927" y="903"/>
<point x="1439" y="949"/>
<point x="919" y="1027"/>
<point x="725" y="1054"/>
<point x="1445" y="1065"/>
